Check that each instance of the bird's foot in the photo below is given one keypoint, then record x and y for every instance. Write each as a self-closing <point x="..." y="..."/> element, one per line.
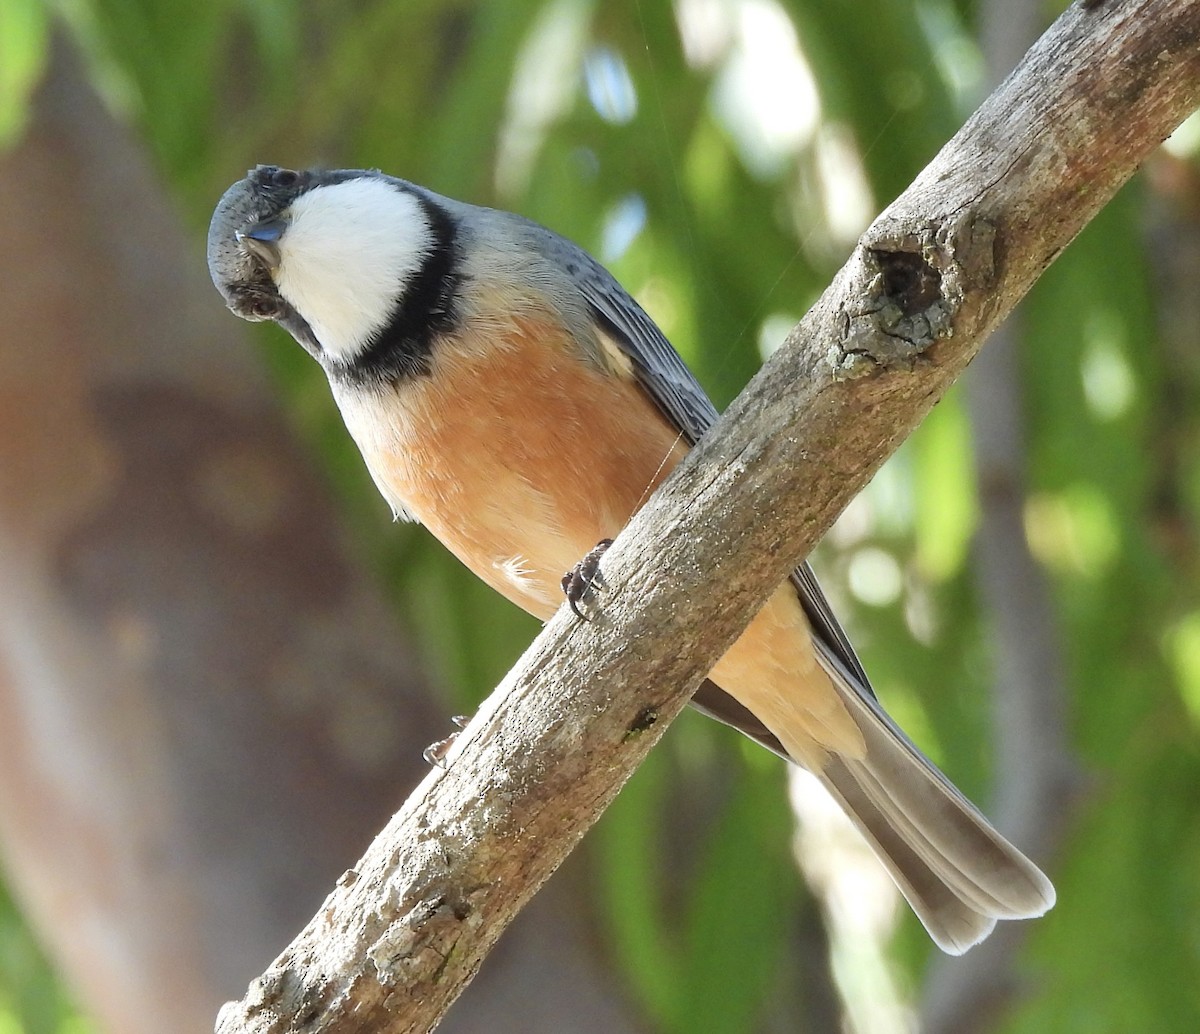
<point x="579" y="583"/>
<point x="435" y="753"/>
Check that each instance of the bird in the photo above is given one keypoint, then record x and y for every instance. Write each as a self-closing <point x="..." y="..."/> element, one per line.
<point x="506" y="392"/>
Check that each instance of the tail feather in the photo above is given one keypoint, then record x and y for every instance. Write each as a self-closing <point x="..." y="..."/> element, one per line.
<point x="956" y="871"/>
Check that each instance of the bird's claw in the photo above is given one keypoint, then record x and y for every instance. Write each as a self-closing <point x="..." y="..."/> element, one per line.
<point x="584" y="578"/>
<point x="435" y="753"/>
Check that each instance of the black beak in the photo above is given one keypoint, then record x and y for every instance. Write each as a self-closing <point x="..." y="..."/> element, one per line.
<point x="261" y="241"/>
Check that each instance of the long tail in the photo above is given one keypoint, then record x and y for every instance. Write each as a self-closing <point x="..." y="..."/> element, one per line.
<point x="958" y="874"/>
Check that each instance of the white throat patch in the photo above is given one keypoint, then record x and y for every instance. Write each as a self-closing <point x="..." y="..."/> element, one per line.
<point x="347" y="255"/>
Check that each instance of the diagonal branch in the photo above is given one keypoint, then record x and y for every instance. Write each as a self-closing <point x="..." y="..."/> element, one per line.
<point x="404" y="931"/>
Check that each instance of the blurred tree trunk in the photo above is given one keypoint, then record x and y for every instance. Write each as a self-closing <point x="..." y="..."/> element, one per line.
<point x="1173" y="246"/>
<point x="1035" y="775"/>
<point x="206" y="710"/>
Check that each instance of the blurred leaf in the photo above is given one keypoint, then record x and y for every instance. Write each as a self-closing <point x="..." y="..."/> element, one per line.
<point x="32" y="1001"/>
<point x="740" y="908"/>
<point x="943" y="469"/>
<point x="631" y="878"/>
<point x="24" y="34"/>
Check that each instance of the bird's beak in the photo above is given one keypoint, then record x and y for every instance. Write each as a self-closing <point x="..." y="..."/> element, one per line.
<point x="261" y="241"/>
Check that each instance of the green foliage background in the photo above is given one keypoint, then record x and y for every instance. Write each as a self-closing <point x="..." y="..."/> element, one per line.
<point x="430" y="90"/>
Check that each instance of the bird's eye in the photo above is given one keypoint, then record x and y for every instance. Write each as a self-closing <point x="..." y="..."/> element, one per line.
<point x="264" y="309"/>
<point x="284" y="178"/>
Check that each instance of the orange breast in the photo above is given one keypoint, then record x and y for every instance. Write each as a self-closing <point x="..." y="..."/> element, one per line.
<point x="517" y="453"/>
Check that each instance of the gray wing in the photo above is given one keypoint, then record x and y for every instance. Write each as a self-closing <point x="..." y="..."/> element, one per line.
<point x="676" y="392"/>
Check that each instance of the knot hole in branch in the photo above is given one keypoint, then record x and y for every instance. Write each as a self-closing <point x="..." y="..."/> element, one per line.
<point x="909" y="281"/>
<point x="905" y="309"/>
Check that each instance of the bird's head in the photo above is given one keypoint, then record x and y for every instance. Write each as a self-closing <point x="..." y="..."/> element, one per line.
<point x="332" y="256"/>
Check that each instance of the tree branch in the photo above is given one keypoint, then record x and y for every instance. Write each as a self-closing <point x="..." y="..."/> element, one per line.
<point x="404" y="931"/>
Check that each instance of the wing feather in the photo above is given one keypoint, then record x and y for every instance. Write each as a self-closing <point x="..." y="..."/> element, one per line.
<point x="677" y="393"/>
